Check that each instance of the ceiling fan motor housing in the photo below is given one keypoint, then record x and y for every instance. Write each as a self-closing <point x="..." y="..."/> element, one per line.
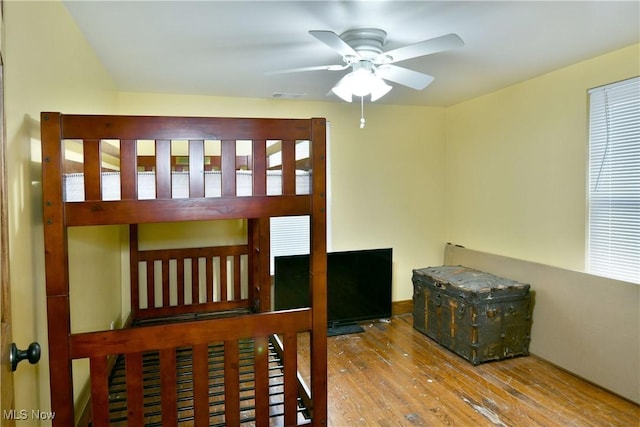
<point x="367" y="42"/>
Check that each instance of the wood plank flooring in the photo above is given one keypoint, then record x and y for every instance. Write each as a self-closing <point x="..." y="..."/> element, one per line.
<point x="392" y="375"/>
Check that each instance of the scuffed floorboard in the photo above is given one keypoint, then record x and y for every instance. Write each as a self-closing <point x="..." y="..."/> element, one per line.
<point x="485" y="412"/>
<point x="392" y="375"/>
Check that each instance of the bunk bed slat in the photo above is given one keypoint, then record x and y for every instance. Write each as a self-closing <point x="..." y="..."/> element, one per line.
<point x="196" y="168"/>
<point x="151" y="285"/>
<point x="228" y="168"/>
<point x="135" y="399"/>
<point x="288" y="167"/>
<point x="134" y="265"/>
<point x="92" y="164"/>
<point x="209" y="288"/>
<point x="180" y="279"/>
<point x="223" y="279"/>
<point x="99" y="372"/>
<point x="169" y="395"/>
<point x="195" y="282"/>
<point x="128" y="170"/>
<point x="231" y="383"/>
<point x="201" y="385"/>
<point x="166" y="292"/>
<point x="259" y="156"/>
<point x="237" y="283"/>
<point x="290" y="345"/>
<point x="261" y="381"/>
<point x="163" y="169"/>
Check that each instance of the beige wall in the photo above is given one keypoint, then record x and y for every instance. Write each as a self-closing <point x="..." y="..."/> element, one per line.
<point x="517" y="163"/>
<point x="516" y="186"/>
<point x="586" y="324"/>
<point x="48" y="67"/>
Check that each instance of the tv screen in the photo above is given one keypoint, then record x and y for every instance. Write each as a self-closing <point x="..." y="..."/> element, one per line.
<point x="358" y="284"/>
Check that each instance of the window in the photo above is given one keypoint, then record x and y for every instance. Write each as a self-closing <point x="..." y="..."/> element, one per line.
<point x="614" y="181"/>
<point x="289" y="236"/>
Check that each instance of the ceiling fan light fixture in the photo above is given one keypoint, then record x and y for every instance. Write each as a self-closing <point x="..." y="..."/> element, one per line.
<point x="361" y="82"/>
<point x="379" y="89"/>
<point x="343" y="90"/>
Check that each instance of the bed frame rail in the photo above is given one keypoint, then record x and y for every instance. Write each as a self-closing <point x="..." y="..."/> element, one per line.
<point x="171" y="339"/>
<point x="114" y="139"/>
<point x="191" y="280"/>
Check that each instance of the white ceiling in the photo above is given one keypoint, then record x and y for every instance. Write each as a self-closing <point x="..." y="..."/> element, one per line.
<point x="225" y="48"/>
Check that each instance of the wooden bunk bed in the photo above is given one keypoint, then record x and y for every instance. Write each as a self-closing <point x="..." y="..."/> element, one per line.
<point x="202" y="346"/>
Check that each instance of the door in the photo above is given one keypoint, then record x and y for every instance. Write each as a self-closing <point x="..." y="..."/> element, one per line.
<point x="6" y="375"/>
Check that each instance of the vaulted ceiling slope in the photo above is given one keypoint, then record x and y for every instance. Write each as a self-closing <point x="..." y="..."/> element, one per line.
<point x="228" y="48"/>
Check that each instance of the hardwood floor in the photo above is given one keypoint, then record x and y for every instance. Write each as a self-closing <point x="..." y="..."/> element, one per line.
<point x="392" y="375"/>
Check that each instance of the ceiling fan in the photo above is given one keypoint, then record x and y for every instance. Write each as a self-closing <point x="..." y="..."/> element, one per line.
<point x="362" y="51"/>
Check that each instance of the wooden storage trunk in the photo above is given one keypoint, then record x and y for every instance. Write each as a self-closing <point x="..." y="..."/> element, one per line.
<point x="477" y="315"/>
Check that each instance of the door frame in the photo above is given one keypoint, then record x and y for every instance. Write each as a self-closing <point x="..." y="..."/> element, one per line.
<point x="7" y="402"/>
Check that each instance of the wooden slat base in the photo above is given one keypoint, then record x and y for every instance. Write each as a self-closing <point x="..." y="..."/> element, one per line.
<point x="185" y="405"/>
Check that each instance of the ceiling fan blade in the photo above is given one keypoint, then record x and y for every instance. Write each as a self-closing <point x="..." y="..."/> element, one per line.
<point x="332" y="40"/>
<point x="404" y="76"/>
<point x="425" y="47"/>
<point x="316" y="68"/>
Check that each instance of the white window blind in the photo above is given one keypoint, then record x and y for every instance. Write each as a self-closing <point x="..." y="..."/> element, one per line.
<point x="290" y="235"/>
<point x="614" y="181"/>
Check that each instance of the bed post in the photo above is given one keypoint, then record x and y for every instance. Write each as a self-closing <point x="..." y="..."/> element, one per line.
<point x="319" y="274"/>
<point x="56" y="270"/>
<point x="259" y="274"/>
<point x="133" y="271"/>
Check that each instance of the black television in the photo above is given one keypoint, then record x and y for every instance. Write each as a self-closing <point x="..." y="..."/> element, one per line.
<point x="358" y="286"/>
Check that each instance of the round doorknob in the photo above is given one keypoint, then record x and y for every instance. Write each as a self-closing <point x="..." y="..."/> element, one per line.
<point x="32" y="354"/>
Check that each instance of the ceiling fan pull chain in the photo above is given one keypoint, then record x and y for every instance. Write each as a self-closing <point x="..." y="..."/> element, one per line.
<point x="361" y="112"/>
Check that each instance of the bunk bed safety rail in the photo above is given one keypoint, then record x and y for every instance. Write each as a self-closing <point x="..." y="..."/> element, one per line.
<point x="187" y="281"/>
<point x="200" y="403"/>
<point x="199" y="165"/>
<point x="100" y="167"/>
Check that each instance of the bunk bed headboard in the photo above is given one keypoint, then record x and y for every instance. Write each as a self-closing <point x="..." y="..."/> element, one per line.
<point x="93" y="134"/>
<point x="261" y="170"/>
